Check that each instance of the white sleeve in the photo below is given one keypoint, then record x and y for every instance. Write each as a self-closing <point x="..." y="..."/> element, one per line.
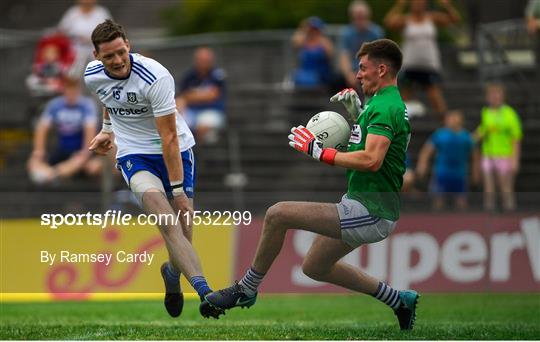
<point x="89" y="85"/>
<point x="161" y="96"/>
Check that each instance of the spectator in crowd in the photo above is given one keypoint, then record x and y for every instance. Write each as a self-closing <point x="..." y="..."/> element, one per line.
<point x="315" y="54"/>
<point x="532" y="17"/>
<point x="201" y="96"/>
<point x="453" y="148"/>
<point x="500" y="132"/>
<point x="54" y="56"/>
<point x="74" y="118"/>
<point x="78" y="23"/>
<point x="421" y="56"/>
<point x="359" y="31"/>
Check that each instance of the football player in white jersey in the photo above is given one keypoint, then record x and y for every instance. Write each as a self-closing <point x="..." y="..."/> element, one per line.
<point x="154" y="148"/>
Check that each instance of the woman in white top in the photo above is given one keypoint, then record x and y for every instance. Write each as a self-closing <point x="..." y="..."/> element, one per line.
<point x="421" y="57"/>
<point x="78" y="23"/>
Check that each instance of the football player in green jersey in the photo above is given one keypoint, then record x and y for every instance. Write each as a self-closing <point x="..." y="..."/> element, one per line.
<point x="367" y="213"/>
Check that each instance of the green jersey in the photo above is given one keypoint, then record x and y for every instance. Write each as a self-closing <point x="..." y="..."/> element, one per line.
<point x="384" y="114"/>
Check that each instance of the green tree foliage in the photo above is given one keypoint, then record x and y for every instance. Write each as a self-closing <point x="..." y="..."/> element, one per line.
<point x="199" y="16"/>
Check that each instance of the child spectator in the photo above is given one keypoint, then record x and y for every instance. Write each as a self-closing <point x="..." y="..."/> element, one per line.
<point x="315" y="54"/>
<point x="500" y="132"/>
<point x="453" y="148"/>
<point x="54" y="56"/>
<point x="74" y="118"/>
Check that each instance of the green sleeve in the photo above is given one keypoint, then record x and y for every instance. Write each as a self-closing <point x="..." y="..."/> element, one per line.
<point x="381" y="123"/>
<point x="515" y="125"/>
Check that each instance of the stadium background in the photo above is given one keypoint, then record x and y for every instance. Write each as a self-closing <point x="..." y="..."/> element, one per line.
<point x="252" y="167"/>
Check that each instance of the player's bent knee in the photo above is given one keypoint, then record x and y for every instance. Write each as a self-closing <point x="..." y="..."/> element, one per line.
<point x="314" y="270"/>
<point x="143" y="183"/>
<point x="275" y="214"/>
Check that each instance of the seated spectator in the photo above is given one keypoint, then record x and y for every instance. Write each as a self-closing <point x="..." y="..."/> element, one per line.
<point x="53" y="59"/>
<point x="358" y="32"/>
<point x="201" y="96"/>
<point x="500" y="132"/>
<point x="74" y="118"/>
<point x="315" y="54"/>
<point x="421" y="56"/>
<point x="453" y="148"/>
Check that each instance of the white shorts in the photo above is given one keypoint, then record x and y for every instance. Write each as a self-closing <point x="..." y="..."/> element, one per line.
<point x="358" y="227"/>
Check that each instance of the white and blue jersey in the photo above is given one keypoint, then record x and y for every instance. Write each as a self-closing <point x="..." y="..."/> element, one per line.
<point x="133" y="103"/>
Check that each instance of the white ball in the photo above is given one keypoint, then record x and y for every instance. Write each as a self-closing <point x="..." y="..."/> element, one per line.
<point x="331" y="129"/>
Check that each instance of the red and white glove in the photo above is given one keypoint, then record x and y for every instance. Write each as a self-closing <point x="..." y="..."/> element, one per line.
<point x="304" y="141"/>
<point x="349" y="98"/>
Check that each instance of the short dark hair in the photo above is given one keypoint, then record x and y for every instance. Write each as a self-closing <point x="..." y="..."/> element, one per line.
<point x="106" y="32"/>
<point x="383" y="49"/>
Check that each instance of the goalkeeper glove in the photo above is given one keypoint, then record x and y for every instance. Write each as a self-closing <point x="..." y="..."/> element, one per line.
<point x="304" y="141"/>
<point x="349" y="98"/>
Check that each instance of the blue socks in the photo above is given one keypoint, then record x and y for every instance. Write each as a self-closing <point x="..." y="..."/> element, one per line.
<point x="200" y="285"/>
<point x="172" y="278"/>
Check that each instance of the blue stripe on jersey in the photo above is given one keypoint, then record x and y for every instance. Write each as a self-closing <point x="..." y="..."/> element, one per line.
<point x="144" y="78"/>
<point x="94" y="72"/>
<point x="144" y="71"/>
<point x="94" y="67"/>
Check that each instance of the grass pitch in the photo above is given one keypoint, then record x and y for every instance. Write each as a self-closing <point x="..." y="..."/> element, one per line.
<point x="314" y="317"/>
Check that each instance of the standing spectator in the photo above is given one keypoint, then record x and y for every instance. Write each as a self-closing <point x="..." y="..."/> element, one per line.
<point x="201" y="96"/>
<point x="359" y="31"/>
<point x="78" y="23"/>
<point x="421" y="56"/>
<point x="315" y="53"/>
<point x="500" y="132"/>
<point x="453" y="148"/>
<point x="74" y="119"/>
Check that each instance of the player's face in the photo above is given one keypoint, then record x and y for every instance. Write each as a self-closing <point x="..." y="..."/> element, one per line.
<point x="368" y="75"/>
<point x="115" y="57"/>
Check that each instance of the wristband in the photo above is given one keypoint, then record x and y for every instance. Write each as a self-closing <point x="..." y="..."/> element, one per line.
<point x="107" y="126"/>
<point x="328" y="155"/>
<point x="177" y="188"/>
